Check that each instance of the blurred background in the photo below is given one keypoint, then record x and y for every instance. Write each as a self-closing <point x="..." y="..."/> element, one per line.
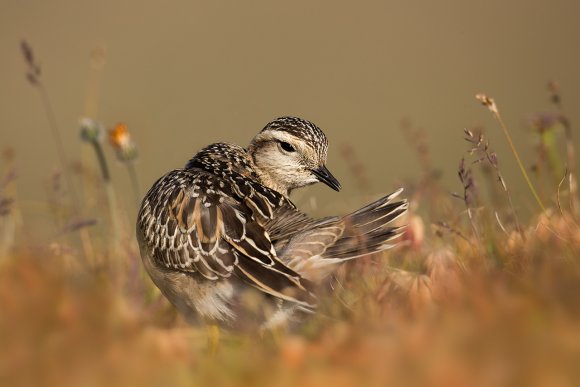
<point x="481" y="291"/>
<point x="183" y="74"/>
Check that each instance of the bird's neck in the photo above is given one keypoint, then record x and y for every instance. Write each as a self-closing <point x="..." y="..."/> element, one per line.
<point x="269" y="180"/>
<point x="269" y="171"/>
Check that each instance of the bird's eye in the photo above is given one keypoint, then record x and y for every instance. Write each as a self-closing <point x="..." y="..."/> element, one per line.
<point x="287" y="147"/>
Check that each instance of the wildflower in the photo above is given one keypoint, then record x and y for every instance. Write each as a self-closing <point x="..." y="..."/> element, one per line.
<point x="91" y="131"/>
<point x="416" y="287"/>
<point x="487" y="102"/>
<point x="490" y="104"/>
<point x="33" y="71"/>
<point x="443" y="269"/>
<point x="415" y="233"/>
<point x="126" y="151"/>
<point x="120" y="139"/>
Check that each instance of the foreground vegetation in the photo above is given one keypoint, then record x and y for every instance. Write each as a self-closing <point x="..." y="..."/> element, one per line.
<point x="501" y="312"/>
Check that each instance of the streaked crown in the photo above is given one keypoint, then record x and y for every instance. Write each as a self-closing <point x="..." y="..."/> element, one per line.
<point x="301" y="128"/>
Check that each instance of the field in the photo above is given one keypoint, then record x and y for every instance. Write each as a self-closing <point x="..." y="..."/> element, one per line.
<point x="476" y="294"/>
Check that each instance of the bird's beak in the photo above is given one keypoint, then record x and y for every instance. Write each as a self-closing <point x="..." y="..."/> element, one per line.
<point x="324" y="176"/>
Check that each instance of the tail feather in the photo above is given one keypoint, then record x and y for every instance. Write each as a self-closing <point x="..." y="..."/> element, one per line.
<point x="368" y="230"/>
<point x="381" y="202"/>
<point x="373" y="244"/>
<point x="368" y="222"/>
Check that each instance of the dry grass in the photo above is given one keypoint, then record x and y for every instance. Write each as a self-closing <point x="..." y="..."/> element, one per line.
<point x="510" y="317"/>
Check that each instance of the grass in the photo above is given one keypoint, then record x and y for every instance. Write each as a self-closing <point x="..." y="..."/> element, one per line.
<point x="454" y="316"/>
<point x="474" y="296"/>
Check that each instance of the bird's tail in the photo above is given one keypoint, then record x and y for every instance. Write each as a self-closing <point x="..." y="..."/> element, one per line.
<point x="334" y="240"/>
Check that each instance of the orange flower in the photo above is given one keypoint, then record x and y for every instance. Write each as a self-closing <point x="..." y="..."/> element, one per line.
<point x="120" y="139"/>
<point x="119" y="136"/>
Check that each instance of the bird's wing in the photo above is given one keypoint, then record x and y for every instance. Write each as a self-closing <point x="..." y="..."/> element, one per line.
<point x="286" y="223"/>
<point x="214" y="226"/>
<point x="369" y="229"/>
<point x="313" y="250"/>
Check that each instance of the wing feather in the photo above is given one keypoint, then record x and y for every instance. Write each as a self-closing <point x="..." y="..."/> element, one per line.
<point x="207" y="225"/>
<point x="313" y="249"/>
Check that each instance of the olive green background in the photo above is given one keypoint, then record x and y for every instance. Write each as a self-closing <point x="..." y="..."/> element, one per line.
<point x="183" y="74"/>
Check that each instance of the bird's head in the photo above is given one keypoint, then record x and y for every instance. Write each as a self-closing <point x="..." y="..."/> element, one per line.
<point x="291" y="153"/>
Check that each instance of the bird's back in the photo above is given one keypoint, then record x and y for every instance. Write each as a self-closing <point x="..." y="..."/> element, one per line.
<point x="206" y="224"/>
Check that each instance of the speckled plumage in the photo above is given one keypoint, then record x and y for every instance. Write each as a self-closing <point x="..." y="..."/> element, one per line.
<point x="222" y="225"/>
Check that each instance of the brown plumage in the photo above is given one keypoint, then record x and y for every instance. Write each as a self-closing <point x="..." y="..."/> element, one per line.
<point x="224" y="224"/>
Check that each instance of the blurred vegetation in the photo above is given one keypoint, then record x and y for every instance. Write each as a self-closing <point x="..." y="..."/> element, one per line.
<point x="475" y="294"/>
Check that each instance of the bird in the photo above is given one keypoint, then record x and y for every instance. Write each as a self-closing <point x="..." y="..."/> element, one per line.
<point x="224" y="226"/>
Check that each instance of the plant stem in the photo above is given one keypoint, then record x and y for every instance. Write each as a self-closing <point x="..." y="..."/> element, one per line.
<point x="134" y="181"/>
<point x="83" y="232"/>
<point x="59" y="145"/>
<point x="517" y="156"/>
<point x="111" y="198"/>
<point x="102" y="161"/>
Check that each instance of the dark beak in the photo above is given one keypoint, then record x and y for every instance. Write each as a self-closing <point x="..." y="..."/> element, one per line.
<point x="326" y="177"/>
